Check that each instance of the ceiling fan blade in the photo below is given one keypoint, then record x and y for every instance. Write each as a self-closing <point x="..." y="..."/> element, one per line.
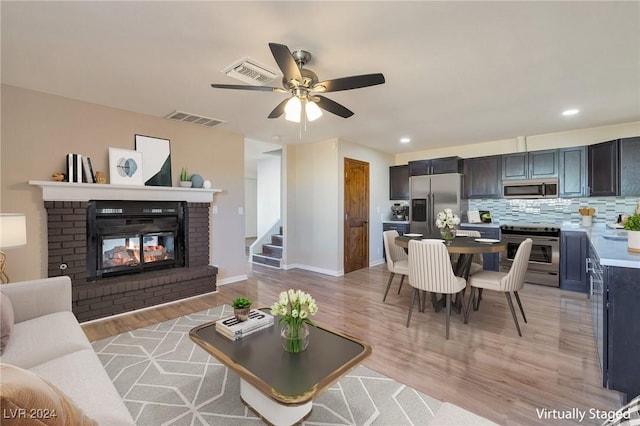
<point x="245" y="87"/>
<point x="285" y="61"/>
<point x="348" y="83"/>
<point x="332" y="106"/>
<point x="279" y="110"/>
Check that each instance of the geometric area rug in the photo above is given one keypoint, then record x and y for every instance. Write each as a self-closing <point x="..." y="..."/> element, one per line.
<point x="166" y="379"/>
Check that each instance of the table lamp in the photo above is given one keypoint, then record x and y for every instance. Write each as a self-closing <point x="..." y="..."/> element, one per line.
<point x="13" y="233"/>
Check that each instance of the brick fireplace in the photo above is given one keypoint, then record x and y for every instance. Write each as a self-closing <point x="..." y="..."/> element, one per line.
<point x="97" y="298"/>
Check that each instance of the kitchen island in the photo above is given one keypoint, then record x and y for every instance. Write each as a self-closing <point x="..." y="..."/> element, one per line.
<point x="614" y="288"/>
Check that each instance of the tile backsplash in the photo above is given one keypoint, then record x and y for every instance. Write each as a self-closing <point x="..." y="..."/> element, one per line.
<point x="555" y="210"/>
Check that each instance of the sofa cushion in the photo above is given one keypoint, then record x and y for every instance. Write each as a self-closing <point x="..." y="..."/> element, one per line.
<point x="43" y="338"/>
<point x="6" y="320"/>
<point x="28" y="399"/>
<point x="83" y="378"/>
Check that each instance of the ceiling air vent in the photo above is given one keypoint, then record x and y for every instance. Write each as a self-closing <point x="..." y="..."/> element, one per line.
<point x="252" y="72"/>
<point x="194" y="119"/>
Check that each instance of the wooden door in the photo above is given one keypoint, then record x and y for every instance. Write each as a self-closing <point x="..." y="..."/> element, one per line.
<point x="356" y="215"/>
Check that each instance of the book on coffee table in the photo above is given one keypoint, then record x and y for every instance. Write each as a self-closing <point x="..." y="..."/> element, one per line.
<point x="235" y="329"/>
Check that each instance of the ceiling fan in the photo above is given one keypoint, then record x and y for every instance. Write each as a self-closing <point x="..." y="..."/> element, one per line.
<point x="304" y="87"/>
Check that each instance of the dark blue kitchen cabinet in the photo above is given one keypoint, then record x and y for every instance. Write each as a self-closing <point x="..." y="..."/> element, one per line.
<point x="629" y="170"/>
<point x="483" y="177"/>
<point x="603" y="166"/>
<point x="573" y="261"/>
<point x="530" y="165"/>
<point x="491" y="261"/>
<point x="573" y="171"/>
<point x="616" y="320"/>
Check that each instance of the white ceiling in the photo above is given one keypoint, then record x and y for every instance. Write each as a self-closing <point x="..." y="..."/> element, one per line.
<point x="456" y="72"/>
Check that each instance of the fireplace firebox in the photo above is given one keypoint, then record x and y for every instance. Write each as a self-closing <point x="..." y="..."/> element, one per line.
<point x="125" y="237"/>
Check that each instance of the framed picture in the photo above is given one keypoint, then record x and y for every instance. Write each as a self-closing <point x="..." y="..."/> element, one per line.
<point x="125" y="167"/>
<point x="156" y="157"/>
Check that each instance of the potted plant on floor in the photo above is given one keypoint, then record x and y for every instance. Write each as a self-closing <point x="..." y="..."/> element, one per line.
<point x="241" y="307"/>
<point x="633" y="227"/>
<point x="185" y="179"/>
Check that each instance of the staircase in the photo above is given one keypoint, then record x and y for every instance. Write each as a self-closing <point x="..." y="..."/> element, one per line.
<point x="271" y="253"/>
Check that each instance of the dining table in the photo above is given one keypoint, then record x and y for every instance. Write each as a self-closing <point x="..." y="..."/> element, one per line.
<point x="465" y="247"/>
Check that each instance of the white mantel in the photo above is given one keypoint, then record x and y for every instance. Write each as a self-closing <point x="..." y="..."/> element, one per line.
<point x="65" y="191"/>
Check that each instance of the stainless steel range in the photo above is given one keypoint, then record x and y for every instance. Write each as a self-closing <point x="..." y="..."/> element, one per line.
<point x="544" y="263"/>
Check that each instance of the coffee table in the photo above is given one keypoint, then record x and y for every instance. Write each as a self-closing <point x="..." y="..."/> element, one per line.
<point x="277" y="385"/>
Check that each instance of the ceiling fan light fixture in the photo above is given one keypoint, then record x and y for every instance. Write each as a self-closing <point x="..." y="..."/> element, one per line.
<point x="313" y="111"/>
<point x="293" y="109"/>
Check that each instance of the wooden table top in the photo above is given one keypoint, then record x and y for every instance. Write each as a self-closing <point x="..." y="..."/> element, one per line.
<point x="464" y="245"/>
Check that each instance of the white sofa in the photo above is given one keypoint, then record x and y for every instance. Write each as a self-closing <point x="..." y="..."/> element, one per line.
<point x="48" y="340"/>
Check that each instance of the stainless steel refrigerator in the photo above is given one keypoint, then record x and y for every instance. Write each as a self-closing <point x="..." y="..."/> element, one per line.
<point x="431" y="194"/>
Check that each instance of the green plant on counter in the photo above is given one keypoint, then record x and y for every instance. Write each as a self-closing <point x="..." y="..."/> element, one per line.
<point x="241" y="303"/>
<point x="184" y="174"/>
<point x="633" y="223"/>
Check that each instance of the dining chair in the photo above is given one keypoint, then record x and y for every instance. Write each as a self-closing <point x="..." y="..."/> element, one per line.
<point x="430" y="270"/>
<point x="507" y="282"/>
<point x="477" y="263"/>
<point x="397" y="262"/>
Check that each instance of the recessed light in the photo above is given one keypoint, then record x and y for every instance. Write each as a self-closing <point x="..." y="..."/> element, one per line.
<point x="405" y="140"/>
<point x="570" y="112"/>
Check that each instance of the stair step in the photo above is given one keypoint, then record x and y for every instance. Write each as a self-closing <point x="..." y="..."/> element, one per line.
<point x="266" y="260"/>
<point x="276" y="240"/>
<point x="272" y="250"/>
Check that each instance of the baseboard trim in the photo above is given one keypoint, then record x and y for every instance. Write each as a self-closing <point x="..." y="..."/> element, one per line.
<point x="230" y="280"/>
<point x="147" y="308"/>
<point x="314" y="269"/>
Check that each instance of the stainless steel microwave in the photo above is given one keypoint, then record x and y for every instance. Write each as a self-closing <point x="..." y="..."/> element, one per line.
<point x="530" y="188"/>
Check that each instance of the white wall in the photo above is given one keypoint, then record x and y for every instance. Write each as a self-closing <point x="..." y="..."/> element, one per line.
<point x="33" y="149"/>
<point x="535" y="142"/>
<point x="250" y="207"/>
<point x="311" y="229"/>
<point x="268" y="192"/>
<point x="314" y="234"/>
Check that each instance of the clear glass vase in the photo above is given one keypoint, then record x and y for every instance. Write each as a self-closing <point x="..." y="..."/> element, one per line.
<point x="294" y="338"/>
<point x="448" y="234"/>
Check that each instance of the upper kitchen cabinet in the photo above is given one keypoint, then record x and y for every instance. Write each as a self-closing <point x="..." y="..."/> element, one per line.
<point x="435" y="166"/>
<point x="603" y="163"/>
<point x="530" y="165"/>
<point x="630" y="166"/>
<point x="399" y="182"/>
<point x="573" y="171"/>
<point x="482" y="177"/>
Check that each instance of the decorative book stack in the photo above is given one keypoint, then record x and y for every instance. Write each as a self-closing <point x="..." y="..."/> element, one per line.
<point x="235" y="329"/>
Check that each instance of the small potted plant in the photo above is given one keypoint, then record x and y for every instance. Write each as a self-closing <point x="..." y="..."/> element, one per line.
<point x="185" y="179"/>
<point x="241" y="307"/>
<point x="632" y="225"/>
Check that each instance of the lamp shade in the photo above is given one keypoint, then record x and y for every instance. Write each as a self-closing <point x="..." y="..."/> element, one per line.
<point x="13" y="230"/>
<point x="292" y="109"/>
<point x="313" y="111"/>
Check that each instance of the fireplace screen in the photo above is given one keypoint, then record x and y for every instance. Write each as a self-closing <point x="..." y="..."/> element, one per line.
<point x="129" y="237"/>
<point x="126" y="251"/>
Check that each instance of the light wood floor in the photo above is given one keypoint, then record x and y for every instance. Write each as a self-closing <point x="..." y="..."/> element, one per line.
<point x="484" y="367"/>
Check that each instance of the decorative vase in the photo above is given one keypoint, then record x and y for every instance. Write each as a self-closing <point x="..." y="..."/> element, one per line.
<point x="448" y="234"/>
<point x="294" y="338"/>
<point x="242" y="314"/>
<point x="185" y="183"/>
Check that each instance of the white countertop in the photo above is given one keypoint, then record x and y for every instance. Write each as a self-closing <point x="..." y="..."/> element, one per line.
<point x="395" y="221"/>
<point x="611" y="252"/>
<point x="482" y="225"/>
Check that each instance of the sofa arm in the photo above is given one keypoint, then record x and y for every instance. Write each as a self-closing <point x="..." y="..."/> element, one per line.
<point x="32" y="299"/>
